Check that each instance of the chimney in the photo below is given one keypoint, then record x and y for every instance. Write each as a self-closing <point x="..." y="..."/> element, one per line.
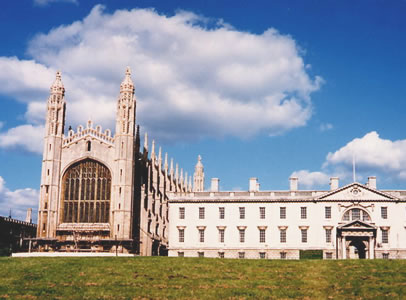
<point x="215" y="184"/>
<point x="254" y="185"/>
<point x="28" y="217"/>
<point x="334" y="183"/>
<point x="372" y="182"/>
<point x="294" y="181"/>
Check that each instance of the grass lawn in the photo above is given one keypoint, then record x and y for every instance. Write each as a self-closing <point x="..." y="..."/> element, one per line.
<point x="200" y="278"/>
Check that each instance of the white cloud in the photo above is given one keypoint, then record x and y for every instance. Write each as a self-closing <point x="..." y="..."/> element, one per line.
<point x="373" y="156"/>
<point x="18" y="201"/>
<point x="194" y="77"/>
<point x="46" y="2"/>
<point x="326" y="126"/>
<point x="27" y="137"/>
<point x="309" y="179"/>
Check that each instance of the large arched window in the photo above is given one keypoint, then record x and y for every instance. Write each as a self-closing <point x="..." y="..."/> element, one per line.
<point x="356" y="214"/>
<point x="86" y="193"/>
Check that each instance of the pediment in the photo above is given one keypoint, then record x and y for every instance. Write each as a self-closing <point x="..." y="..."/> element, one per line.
<point x="357" y="192"/>
<point x="357" y="224"/>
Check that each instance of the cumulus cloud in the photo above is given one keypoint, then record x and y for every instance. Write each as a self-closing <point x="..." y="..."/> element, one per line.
<point x="18" y="201"/>
<point x="373" y="155"/>
<point x="27" y="137"/>
<point x="195" y="77"/>
<point x="46" y="2"/>
<point x="309" y="179"/>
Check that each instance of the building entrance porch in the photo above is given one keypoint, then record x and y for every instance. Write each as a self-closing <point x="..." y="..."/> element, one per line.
<point x="356" y="240"/>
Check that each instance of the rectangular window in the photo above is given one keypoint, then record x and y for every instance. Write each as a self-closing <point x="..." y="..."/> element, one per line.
<point x="200" y="254"/>
<point x="283" y="235"/>
<point x="221" y="212"/>
<point x="201" y="212"/>
<point x="356" y="214"/>
<point x="329" y="255"/>
<point x="262" y="235"/>
<point x="283" y="255"/>
<point x="262" y="212"/>
<point x="385" y="255"/>
<point x="328" y="235"/>
<point x="304" y="235"/>
<point x="303" y="212"/>
<point x="181" y="212"/>
<point x="201" y="235"/>
<point x="327" y="212"/>
<point x="262" y="255"/>
<point x="385" y="238"/>
<point x="384" y="212"/>
<point x="221" y="235"/>
<point x="242" y="212"/>
<point x="241" y="255"/>
<point x="181" y="235"/>
<point x="221" y="254"/>
<point x="242" y="235"/>
<point x="181" y="254"/>
<point x="283" y="212"/>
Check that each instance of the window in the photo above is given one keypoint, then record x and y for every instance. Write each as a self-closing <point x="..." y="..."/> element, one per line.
<point x="221" y="254"/>
<point x="262" y="255"/>
<point x="201" y="235"/>
<point x="304" y="235"/>
<point x="328" y="235"/>
<point x="384" y="212"/>
<point x="86" y="193"/>
<point x="283" y="235"/>
<point x="283" y="255"/>
<point x="262" y="235"/>
<point x="200" y="254"/>
<point x="242" y="212"/>
<point x="181" y="212"/>
<point x="181" y="235"/>
<point x="221" y="235"/>
<point x="262" y="212"/>
<point x="385" y="238"/>
<point x="327" y="212"/>
<point x="181" y="254"/>
<point x="241" y="255"/>
<point x="201" y="212"/>
<point x="283" y="212"/>
<point x="329" y="255"/>
<point x="242" y="235"/>
<point x="303" y="212"/>
<point x="356" y="214"/>
<point x="89" y="146"/>
<point x="385" y="255"/>
<point x="221" y="212"/>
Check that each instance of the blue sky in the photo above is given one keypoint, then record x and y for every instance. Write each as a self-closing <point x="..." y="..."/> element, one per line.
<point x="265" y="89"/>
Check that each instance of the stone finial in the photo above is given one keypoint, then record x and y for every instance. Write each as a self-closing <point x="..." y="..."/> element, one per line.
<point x="153" y="156"/>
<point x="198" y="176"/>
<point x="190" y="183"/>
<point x="127" y="84"/>
<point x="57" y="86"/>
<point x="177" y="172"/>
<point x="89" y="123"/>
<point x="186" y="179"/>
<point x="166" y="162"/>
<point x="171" y="168"/>
<point x="160" y="157"/>
<point x="181" y="176"/>
<point x="28" y="217"/>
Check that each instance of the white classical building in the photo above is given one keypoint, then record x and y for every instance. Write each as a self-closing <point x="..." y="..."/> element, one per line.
<point x="353" y="221"/>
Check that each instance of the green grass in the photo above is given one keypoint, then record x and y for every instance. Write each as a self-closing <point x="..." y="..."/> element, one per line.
<point x="196" y="278"/>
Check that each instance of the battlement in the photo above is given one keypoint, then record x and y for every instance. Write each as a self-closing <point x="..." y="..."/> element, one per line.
<point x="89" y="131"/>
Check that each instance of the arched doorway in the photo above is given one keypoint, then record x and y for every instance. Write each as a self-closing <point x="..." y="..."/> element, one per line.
<point x="357" y="248"/>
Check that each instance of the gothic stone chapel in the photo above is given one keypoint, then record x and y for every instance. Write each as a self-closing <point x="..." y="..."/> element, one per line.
<point x="100" y="192"/>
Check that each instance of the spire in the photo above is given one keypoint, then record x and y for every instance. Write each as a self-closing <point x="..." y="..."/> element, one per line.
<point x="171" y="169"/>
<point x="160" y="158"/>
<point x="153" y="156"/>
<point x="198" y="177"/>
<point x="177" y="172"/>
<point x="190" y="183"/>
<point x="185" y="180"/>
<point x="166" y="163"/>
<point x="146" y="142"/>
<point x="127" y="84"/>
<point x="57" y="87"/>
<point x="181" y="176"/>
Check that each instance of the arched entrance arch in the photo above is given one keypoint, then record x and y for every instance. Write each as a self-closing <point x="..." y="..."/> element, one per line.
<point x="86" y="193"/>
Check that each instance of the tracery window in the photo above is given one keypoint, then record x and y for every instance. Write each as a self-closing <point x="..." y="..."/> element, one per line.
<point x="356" y="214"/>
<point x="86" y="193"/>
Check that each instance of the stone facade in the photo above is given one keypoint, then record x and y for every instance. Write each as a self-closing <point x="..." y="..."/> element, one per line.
<point x="100" y="192"/>
<point x="353" y="221"/>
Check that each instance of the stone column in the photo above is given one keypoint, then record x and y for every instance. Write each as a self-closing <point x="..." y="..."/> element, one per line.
<point x="343" y="247"/>
<point x="371" y="247"/>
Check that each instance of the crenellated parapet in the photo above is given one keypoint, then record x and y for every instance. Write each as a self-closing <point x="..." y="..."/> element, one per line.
<point x="74" y="137"/>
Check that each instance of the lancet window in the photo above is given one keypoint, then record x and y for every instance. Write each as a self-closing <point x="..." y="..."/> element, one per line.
<point x="86" y="193"/>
